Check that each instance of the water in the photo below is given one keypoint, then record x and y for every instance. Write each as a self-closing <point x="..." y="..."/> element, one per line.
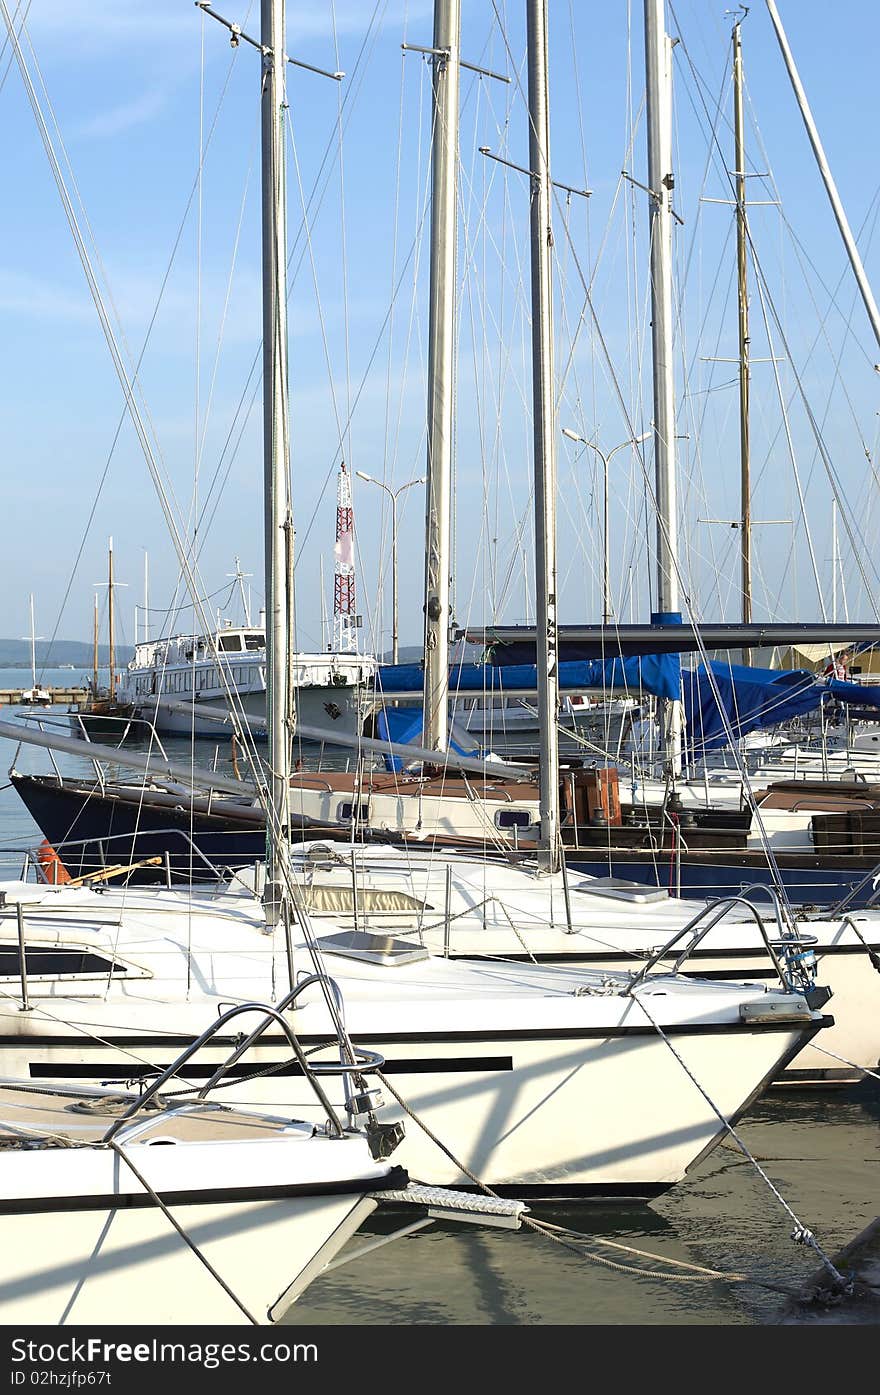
<point x="820" y="1150"/>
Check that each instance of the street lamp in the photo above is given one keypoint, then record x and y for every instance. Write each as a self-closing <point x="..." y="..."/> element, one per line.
<point x="393" y="496"/>
<point x="633" y="441"/>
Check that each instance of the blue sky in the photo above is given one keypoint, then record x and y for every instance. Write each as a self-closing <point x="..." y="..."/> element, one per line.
<point x="135" y="89"/>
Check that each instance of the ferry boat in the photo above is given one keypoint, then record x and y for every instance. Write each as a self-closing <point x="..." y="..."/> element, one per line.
<point x="167" y="681"/>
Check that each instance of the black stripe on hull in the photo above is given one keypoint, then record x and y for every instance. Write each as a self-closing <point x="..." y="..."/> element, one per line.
<point x="87" y="1070"/>
<point x="580" y="959"/>
<point x="111" y="1201"/>
<point x="32" y="1042"/>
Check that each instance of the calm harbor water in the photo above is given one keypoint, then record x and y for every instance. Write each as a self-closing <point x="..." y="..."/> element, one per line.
<point x="821" y="1151"/>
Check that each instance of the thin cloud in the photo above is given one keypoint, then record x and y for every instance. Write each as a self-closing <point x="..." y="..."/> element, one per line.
<point x="35" y="298"/>
<point x="106" y="23"/>
<point x="124" y="116"/>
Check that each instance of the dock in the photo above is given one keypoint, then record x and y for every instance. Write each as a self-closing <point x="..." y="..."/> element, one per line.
<point x="61" y="697"/>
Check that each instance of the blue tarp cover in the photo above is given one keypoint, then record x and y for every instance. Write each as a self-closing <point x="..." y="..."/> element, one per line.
<point x="659" y="674"/>
<point x="403" y="725"/>
<point x="751" y="698"/>
<point x="860" y="693"/>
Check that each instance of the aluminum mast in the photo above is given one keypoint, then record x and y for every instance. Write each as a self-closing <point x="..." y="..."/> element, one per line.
<point x="276" y="449"/>
<point x="544" y="424"/>
<point x="658" y="75"/>
<point x="444" y="165"/>
<point x="742" y="237"/>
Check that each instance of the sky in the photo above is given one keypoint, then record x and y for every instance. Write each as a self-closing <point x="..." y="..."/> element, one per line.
<point x="146" y="97"/>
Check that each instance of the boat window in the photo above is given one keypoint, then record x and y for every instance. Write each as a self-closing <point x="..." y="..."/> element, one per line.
<point x="345" y="809"/>
<point x="51" y="961"/>
<point x="256" y="641"/>
<point x="342" y="900"/>
<point x="513" y="818"/>
<point x="231" y="642"/>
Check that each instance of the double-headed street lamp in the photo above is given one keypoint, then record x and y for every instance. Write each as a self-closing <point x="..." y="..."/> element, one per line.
<point x="606" y="580"/>
<point x="393" y="496"/>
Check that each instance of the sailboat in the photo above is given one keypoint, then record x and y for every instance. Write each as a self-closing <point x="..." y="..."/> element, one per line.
<point x="543" y="1080"/>
<point x="104" y="712"/>
<point x="130" y="1206"/>
<point x="36" y="695"/>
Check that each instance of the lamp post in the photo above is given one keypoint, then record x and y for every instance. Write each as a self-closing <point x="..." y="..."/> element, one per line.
<point x="393" y="496"/>
<point x="633" y="441"/>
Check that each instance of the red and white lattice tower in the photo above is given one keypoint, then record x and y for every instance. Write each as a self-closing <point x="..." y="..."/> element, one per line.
<point x="345" y="621"/>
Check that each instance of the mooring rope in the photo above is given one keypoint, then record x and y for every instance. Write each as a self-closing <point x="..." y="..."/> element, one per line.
<point x="567" y="1238"/>
<point x="801" y="1234"/>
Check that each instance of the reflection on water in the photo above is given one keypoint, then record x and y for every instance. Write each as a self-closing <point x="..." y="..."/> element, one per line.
<point x="820" y="1150"/>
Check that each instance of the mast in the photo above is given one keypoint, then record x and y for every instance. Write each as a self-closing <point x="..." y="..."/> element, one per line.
<point x="441" y="332"/>
<point x="834" y="560"/>
<point x="544" y="419"/>
<point x="33" y="646"/>
<point x="238" y="577"/>
<point x="95" y="653"/>
<point x="111" y="687"/>
<point x="276" y="451"/>
<point x="661" y="181"/>
<point x="743" y="309"/>
<point x="146" y="595"/>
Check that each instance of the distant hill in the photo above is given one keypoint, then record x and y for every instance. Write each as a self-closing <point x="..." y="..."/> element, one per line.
<point x="414" y="653"/>
<point x="16" y="653"/>
<point x="406" y="654"/>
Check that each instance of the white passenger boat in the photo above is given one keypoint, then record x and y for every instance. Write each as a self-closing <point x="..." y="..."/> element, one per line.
<point x="167" y="681"/>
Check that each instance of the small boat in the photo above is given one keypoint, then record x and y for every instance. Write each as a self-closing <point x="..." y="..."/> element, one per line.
<point x="37" y="696"/>
<point x="121" y="1207"/>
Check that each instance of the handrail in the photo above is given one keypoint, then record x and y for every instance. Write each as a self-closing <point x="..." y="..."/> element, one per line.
<point x="712" y="914"/>
<point x="270" y="1014"/>
<point x="141" y="833"/>
<point x="361" y="1058"/>
<point x="130" y="721"/>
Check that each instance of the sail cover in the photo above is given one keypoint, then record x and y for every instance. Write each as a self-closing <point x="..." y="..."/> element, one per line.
<point x="861" y="694"/>
<point x="752" y="698"/>
<point x="659" y="674"/>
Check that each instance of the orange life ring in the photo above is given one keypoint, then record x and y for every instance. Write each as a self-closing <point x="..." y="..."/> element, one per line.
<point x="54" y="869"/>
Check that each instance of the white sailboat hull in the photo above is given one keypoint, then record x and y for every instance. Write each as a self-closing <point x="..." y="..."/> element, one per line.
<point x="554" y="1079"/>
<point x="499" y="911"/>
<point x="130" y="1266"/>
<point x="566" y="1114"/>
<point x="187" y="1213"/>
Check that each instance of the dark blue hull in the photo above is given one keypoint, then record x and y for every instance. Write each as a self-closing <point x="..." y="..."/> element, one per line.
<point x="92" y="827"/>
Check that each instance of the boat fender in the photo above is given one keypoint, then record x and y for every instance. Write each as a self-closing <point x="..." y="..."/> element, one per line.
<point x="52" y="867"/>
